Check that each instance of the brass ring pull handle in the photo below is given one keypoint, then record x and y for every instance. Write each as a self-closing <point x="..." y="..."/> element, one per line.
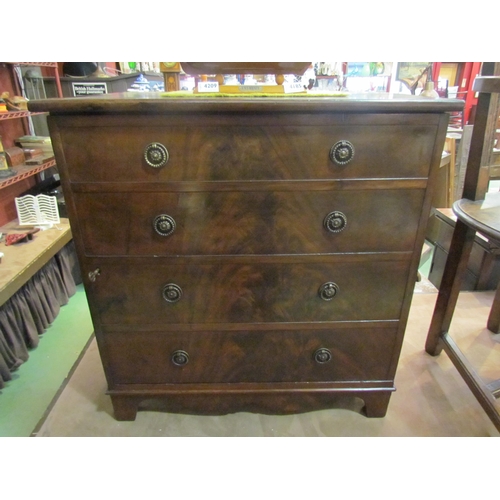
<point x="327" y="291"/>
<point x="172" y="292"/>
<point x="164" y="225"/>
<point x="335" y="222"/>
<point x="156" y="155"/>
<point x="180" y="358"/>
<point x="322" y="356"/>
<point x="342" y="152"/>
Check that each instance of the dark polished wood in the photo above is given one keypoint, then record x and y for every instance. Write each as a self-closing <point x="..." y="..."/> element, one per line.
<point x="130" y="291"/>
<point x="273" y="399"/>
<point x="232" y="261"/>
<point x="250" y="356"/>
<point x="253" y="222"/>
<point x="221" y="149"/>
<point x="152" y="103"/>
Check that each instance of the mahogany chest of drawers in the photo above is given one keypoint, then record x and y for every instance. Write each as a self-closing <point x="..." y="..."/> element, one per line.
<point x="248" y="254"/>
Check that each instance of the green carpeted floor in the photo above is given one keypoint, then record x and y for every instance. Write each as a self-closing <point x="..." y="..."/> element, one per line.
<point x="25" y="399"/>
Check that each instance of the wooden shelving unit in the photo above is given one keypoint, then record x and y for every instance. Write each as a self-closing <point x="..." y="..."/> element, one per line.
<point x="9" y="133"/>
<point x="10" y="115"/>
<point x="22" y="261"/>
<point x="52" y="65"/>
<point x="24" y="171"/>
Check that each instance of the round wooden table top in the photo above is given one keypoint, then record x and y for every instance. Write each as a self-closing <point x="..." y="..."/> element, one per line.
<point x="481" y="215"/>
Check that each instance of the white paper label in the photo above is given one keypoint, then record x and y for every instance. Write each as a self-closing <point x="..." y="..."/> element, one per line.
<point x="208" y="86"/>
<point x="290" y="88"/>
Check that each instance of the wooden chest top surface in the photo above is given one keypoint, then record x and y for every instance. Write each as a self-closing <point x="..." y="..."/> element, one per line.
<point x="157" y="103"/>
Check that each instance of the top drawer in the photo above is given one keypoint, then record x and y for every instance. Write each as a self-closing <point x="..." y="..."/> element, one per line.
<point x="112" y="149"/>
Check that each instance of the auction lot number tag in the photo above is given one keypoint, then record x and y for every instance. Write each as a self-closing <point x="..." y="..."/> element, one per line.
<point x="208" y="86"/>
<point x="291" y="88"/>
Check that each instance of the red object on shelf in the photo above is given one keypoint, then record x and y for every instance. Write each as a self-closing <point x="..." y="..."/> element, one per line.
<point x="12" y="239"/>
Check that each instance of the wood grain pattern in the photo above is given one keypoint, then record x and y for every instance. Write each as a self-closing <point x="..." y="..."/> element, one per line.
<point x="257" y="222"/>
<point x="129" y="291"/>
<point x="248" y="183"/>
<point x="249" y="356"/>
<point x="228" y="153"/>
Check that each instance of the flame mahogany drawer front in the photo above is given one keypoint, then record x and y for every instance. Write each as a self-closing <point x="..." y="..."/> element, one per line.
<point x="150" y="291"/>
<point x="265" y="222"/>
<point x="229" y="152"/>
<point x="248" y="254"/>
<point x="348" y="354"/>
